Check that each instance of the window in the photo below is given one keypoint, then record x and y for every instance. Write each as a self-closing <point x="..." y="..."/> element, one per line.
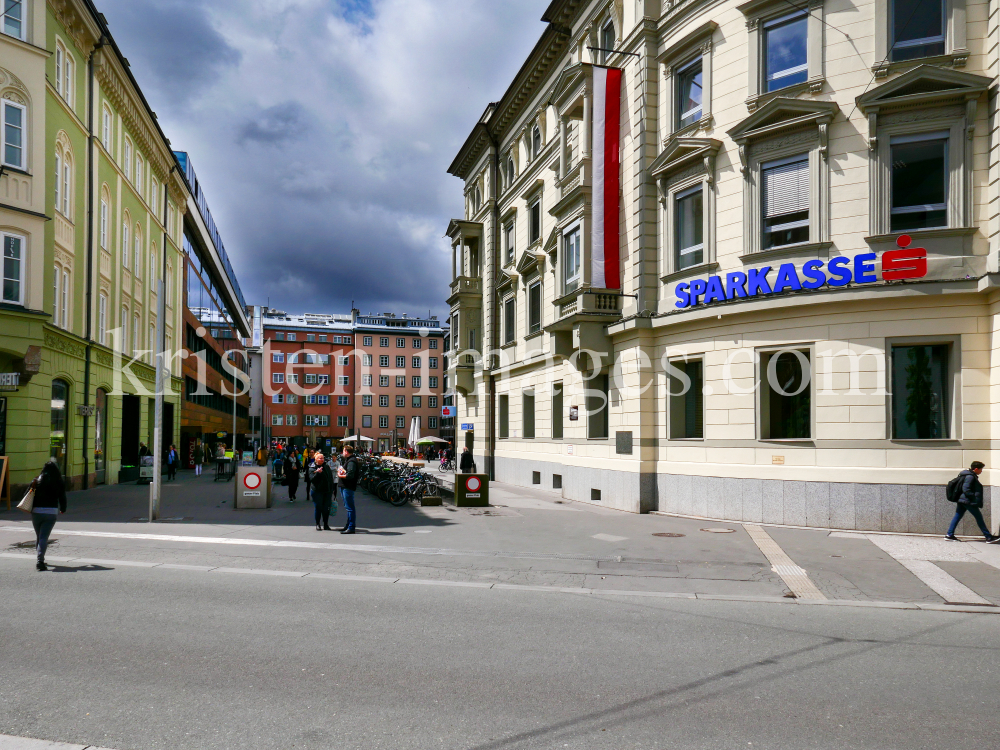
<point x="127" y="159"/>
<point x="343" y="361"/>
<point x="366" y="360"/>
<point x="785" y="395"/>
<point x="277" y="420"/>
<point x="432" y="344"/>
<point x="366" y="401"/>
<point x="400" y="363"/>
<point x="920" y="394"/>
<point x="686" y="405"/>
<point x="415" y="402"/>
<point x="383" y="401"/>
<point x="278" y="357"/>
<point x="310" y="378"/>
<point x="293" y="378"/>
<point x="341" y="400"/>
<point x="597" y="406"/>
<point x="292" y="419"/>
<point x="432" y="423"/>
<point x="432" y="381"/>
<point x="64" y="77"/>
<point x="291" y="398"/>
<point x="336" y="339"/>
<point x="785" y="51"/>
<point x="536" y="142"/>
<point x="290" y="337"/>
<point x="689" y="93"/>
<point x="401" y="381"/>
<point x="366" y="420"/>
<point x="509" y="317"/>
<point x="383" y="381"/>
<point x="106" y="128"/>
<point x="432" y="363"/>
<point x="322" y="338"/>
<point x="323" y="379"/>
<point x="126" y="250"/>
<point x="59" y="409"/>
<point x="64" y="305"/>
<point x="13" y="268"/>
<point x="123" y="328"/>
<point x="13" y="18"/>
<point x="383" y="341"/>
<point x="689" y="220"/>
<point x="13" y="122"/>
<point x="786" y="201"/>
<point x="432" y="402"/>
<point x="528" y="414"/>
<point x="347" y="339"/>
<point x="508" y="242"/>
<point x="310" y="337"/>
<point x="63" y="182"/>
<point x="277" y="398"/>
<point x="400" y="402"/>
<point x="535" y="223"/>
<point x="400" y="422"/>
<point x="341" y="421"/>
<point x="503" y="408"/>
<point x="415" y="363"/>
<point x="138" y="175"/>
<point x="278" y="377"/>
<point x="917" y="28"/>
<point x="557" y="410"/>
<point x="383" y="422"/>
<point x="511" y="171"/>
<point x="607" y="40"/>
<point x="919" y="181"/>
<point x="383" y="360"/>
<point x="400" y="343"/>
<point x="104" y="223"/>
<point x="102" y="319"/>
<point x="416" y="381"/>
<point x="279" y="336"/>
<point x="137" y="252"/>
<point x="341" y="379"/>
<point x="417" y="343"/>
<point x="535" y="308"/>
<point x="366" y="380"/>
<point x="367" y="340"/>
<point x="571" y="261"/>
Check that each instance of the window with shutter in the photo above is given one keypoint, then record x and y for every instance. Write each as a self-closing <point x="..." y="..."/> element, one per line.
<point x="786" y="201"/>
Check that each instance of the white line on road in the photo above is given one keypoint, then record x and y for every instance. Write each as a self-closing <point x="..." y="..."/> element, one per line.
<point x="609" y="538"/>
<point x="943" y="584"/>
<point x="7" y="742"/>
<point x="794" y="577"/>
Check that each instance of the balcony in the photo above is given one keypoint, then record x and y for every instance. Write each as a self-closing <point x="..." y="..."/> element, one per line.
<point x="466" y="288"/>
<point x="582" y="318"/>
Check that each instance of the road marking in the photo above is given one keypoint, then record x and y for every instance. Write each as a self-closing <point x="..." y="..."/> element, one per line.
<point x="505" y="587"/>
<point x="943" y="584"/>
<point x="8" y="742"/>
<point x="794" y="577"/>
<point x="609" y="538"/>
<point x="383" y="549"/>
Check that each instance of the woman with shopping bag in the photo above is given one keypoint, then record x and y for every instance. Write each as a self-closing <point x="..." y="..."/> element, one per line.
<point x="46" y="499"/>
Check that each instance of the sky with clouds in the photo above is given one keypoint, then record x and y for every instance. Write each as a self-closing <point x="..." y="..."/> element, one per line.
<point x="321" y="131"/>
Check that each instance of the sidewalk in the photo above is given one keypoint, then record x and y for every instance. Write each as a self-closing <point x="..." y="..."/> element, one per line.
<point x="527" y="538"/>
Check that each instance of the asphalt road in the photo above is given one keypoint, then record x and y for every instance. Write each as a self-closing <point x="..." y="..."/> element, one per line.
<point x="138" y="658"/>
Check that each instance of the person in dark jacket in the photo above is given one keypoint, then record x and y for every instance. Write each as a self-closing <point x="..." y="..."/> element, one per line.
<point x="321" y="478"/>
<point x="466" y="465"/>
<point x="348" y="474"/>
<point x="172" y="460"/>
<point x="50" y="500"/>
<point x="199" y="457"/>
<point x="970" y="501"/>
<point x="291" y="476"/>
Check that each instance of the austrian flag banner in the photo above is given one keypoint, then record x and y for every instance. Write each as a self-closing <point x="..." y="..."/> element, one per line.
<point x="604" y="253"/>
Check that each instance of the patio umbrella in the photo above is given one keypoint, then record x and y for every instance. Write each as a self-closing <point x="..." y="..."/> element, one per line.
<point x="414" y="432"/>
<point x="430" y="440"/>
<point x="356" y="438"/>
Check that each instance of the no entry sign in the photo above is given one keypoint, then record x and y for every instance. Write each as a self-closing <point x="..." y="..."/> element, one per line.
<point x="472" y="484"/>
<point x="251" y="481"/>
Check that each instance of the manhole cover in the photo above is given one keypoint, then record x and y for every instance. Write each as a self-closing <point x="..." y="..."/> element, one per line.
<point x="719" y="531"/>
<point x="668" y="534"/>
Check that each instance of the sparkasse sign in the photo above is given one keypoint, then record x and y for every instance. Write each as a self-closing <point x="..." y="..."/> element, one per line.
<point x="905" y="263"/>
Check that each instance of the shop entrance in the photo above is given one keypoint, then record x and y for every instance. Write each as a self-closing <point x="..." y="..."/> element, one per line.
<point x="131" y="418"/>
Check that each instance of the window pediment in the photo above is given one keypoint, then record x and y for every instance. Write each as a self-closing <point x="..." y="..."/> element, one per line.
<point x="528" y="262"/>
<point x="571" y="84"/>
<point x="505" y="281"/>
<point x="683" y="152"/>
<point x="780" y="116"/>
<point x="926" y="84"/>
<point x="552" y="242"/>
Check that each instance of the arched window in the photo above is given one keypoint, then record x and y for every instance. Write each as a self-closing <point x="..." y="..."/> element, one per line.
<point x="63" y="177"/>
<point x="59" y="424"/>
<point x="65" y="72"/>
<point x="106" y="127"/>
<point x="60" y="296"/>
<point x="105" y="216"/>
<point x="136" y="340"/>
<point x="13" y="134"/>
<point x="536" y="142"/>
<point x="510" y="171"/>
<point x="123" y="328"/>
<point x="127" y="159"/>
<point x="102" y="319"/>
<point x="138" y="252"/>
<point x="126" y="244"/>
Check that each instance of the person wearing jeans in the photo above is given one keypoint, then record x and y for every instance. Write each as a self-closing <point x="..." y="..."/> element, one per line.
<point x="322" y="491"/>
<point x="50" y="500"/>
<point x="970" y="501"/>
<point x="348" y="476"/>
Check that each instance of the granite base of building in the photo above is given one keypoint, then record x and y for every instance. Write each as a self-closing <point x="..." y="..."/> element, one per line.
<point x="900" y="508"/>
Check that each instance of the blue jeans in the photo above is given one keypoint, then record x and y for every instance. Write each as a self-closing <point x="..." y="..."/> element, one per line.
<point x="348" y="496"/>
<point x="43" y="523"/>
<point x="960" y="510"/>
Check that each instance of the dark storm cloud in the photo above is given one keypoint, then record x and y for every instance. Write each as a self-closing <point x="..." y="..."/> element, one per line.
<point x="321" y="131"/>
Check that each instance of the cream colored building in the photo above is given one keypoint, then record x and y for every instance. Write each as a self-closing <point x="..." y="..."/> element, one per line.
<point x="772" y="134"/>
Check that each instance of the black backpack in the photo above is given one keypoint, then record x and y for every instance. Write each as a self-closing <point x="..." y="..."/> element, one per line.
<point x="954" y="489"/>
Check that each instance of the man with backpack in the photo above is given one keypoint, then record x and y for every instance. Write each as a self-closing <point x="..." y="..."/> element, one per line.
<point x="966" y="491"/>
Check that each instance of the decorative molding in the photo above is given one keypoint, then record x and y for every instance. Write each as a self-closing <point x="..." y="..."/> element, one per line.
<point x="776" y="144"/>
<point x="76" y="26"/>
<point x="58" y="343"/>
<point x="103" y="358"/>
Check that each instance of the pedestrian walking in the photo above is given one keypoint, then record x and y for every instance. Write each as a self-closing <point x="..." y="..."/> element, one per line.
<point x="50" y="501"/>
<point x="348" y="476"/>
<point x="199" y="457"/>
<point x="467" y="465"/>
<point x="307" y="462"/>
<point x="322" y="491"/>
<point x="172" y="459"/>
<point x="292" y="477"/>
<point x="966" y="491"/>
<point x="143" y="450"/>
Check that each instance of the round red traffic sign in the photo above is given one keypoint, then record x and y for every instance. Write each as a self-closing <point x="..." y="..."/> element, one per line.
<point x="251" y="481"/>
<point x="472" y="484"/>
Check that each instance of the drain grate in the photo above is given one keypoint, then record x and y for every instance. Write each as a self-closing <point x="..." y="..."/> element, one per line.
<point x="719" y="531"/>
<point x="668" y="534"/>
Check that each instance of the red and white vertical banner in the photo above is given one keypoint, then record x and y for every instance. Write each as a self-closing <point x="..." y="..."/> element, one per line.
<point x="604" y="251"/>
